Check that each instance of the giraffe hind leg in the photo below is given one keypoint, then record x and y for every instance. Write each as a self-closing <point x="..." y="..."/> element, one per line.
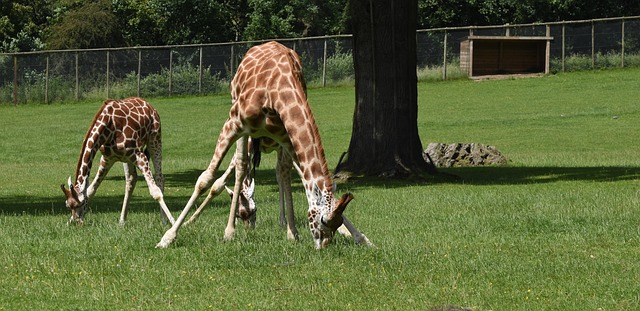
<point x="131" y="177"/>
<point x="241" y="173"/>
<point x="283" y="171"/>
<point x="358" y="237"/>
<point x="154" y="189"/>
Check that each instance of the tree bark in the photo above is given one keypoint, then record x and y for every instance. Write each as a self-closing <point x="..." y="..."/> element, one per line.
<point x="384" y="139"/>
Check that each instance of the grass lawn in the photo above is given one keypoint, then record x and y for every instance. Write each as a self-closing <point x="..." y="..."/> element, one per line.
<point x="558" y="228"/>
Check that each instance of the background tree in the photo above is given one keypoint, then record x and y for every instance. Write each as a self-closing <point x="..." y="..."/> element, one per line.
<point x="235" y="12"/>
<point x="26" y="24"/>
<point x="138" y="22"/>
<point x="191" y="21"/>
<point x="87" y="24"/>
<point x="22" y="23"/>
<point x="385" y="140"/>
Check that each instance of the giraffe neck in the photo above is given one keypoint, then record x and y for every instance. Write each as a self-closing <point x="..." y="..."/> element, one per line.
<point x="91" y="144"/>
<point x="308" y="149"/>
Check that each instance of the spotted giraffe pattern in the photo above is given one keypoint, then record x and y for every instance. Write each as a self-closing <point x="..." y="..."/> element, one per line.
<point x="121" y="129"/>
<point x="269" y="100"/>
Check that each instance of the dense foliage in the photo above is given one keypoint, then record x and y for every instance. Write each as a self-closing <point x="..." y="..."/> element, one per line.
<point x="29" y="25"/>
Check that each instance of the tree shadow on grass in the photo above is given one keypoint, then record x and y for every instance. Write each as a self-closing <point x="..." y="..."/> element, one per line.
<point x="501" y="175"/>
<point x="506" y="175"/>
<point x="187" y="179"/>
<point x="472" y="176"/>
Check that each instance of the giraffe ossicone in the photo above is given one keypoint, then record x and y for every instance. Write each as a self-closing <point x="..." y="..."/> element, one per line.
<point x="121" y="130"/>
<point x="269" y="100"/>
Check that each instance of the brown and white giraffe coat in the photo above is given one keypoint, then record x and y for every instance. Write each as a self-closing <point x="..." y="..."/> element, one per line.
<point x="269" y="100"/>
<point x="121" y="129"/>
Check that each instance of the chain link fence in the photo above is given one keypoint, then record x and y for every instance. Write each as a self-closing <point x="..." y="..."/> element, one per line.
<point x="72" y="75"/>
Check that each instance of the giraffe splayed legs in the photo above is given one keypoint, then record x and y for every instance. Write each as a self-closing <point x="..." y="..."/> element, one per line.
<point x="246" y="199"/>
<point x="120" y="130"/>
<point x="269" y="100"/>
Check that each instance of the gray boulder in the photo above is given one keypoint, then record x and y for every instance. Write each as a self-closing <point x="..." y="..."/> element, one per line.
<point x="459" y="154"/>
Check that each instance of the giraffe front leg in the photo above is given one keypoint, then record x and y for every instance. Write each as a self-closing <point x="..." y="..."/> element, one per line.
<point x="216" y="189"/>
<point x="103" y="169"/>
<point x="228" y="136"/>
<point x="358" y="237"/>
<point x="131" y="177"/>
<point x="282" y="220"/>
<point x="171" y="234"/>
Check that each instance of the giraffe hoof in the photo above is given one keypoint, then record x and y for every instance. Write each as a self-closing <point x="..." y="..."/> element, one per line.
<point x="344" y="231"/>
<point x="362" y="240"/>
<point x="293" y="236"/>
<point x="166" y="240"/>
<point x="228" y="234"/>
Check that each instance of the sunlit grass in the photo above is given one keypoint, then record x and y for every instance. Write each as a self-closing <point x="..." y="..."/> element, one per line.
<point x="556" y="229"/>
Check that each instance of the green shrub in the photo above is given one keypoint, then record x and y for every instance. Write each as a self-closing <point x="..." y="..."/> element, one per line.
<point x="435" y="73"/>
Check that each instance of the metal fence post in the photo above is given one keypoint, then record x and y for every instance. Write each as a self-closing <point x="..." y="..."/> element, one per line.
<point x="15" y="80"/>
<point x="77" y="79"/>
<point x="139" y="69"/>
<point x="170" y="71"/>
<point x="622" y="47"/>
<point x="563" y="47"/>
<point x="107" y="74"/>
<point x="444" y="58"/>
<point x="200" y="73"/>
<point x="46" y="81"/>
<point x="593" y="45"/>
<point x="324" y="64"/>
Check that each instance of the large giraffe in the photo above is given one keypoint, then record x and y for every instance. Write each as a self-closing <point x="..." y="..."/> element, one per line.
<point x="269" y="100"/>
<point x="246" y="200"/>
<point x="121" y="130"/>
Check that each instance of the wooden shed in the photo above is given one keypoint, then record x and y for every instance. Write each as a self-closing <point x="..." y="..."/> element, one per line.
<point x="503" y="55"/>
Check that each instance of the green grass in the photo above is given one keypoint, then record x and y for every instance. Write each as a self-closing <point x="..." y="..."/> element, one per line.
<point x="556" y="229"/>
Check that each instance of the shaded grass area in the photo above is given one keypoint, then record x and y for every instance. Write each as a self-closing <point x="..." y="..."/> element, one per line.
<point x="556" y="229"/>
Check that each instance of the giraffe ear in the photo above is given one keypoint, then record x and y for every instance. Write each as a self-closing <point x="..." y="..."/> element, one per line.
<point x="67" y="193"/>
<point x="229" y="191"/>
<point x="317" y="195"/>
<point x="251" y="187"/>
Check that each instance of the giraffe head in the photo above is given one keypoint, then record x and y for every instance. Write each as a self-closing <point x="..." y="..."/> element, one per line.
<point x="76" y="202"/>
<point x="247" y="205"/>
<point x="325" y="215"/>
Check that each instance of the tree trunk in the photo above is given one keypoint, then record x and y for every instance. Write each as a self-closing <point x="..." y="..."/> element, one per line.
<point x="384" y="139"/>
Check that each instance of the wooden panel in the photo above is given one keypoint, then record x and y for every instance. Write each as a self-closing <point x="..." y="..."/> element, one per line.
<point x="503" y="55"/>
<point x="465" y="57"/>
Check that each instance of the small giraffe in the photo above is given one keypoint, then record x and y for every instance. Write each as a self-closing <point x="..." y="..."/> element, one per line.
<point x="269" y="100"/>
<point x="121" y="130"/>
<point x="246" y="205"/>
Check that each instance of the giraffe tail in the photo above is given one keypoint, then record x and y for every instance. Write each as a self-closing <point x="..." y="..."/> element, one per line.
<point x="256" y="155"/>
